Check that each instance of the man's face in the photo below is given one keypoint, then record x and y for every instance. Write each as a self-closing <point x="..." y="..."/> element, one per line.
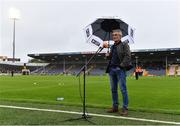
<point x="116" y="36"/>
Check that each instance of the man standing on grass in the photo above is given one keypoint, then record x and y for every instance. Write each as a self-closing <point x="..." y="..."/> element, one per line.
<point x="120" y="57"/>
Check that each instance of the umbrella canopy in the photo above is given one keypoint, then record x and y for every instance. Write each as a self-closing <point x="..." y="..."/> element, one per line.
<point x="101" y="30"/>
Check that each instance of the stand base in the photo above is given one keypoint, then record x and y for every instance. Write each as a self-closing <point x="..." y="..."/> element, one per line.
<point x="85" y="116"/>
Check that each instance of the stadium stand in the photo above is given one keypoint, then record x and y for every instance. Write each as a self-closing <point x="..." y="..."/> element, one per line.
<point x="154" y="62"/>
<point x="17" y="67"/>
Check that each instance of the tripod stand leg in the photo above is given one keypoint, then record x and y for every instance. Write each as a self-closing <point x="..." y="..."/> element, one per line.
<point x="84" y="93"/>
<point x="84" y="76"/>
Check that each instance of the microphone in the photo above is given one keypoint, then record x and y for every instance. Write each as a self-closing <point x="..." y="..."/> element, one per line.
<point x="100" y="49"/>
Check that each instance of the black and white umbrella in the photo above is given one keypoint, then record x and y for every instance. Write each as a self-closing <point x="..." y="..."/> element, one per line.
<point x="101" y="29"/>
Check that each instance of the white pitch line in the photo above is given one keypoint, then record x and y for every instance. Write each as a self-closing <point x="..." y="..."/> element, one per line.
<point x="91" y="114"/>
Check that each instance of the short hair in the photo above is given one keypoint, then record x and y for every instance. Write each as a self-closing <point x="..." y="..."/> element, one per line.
<point x="117" y="30"/>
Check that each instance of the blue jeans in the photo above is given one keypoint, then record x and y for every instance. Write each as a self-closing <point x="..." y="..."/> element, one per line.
<point x="116" y="74"/>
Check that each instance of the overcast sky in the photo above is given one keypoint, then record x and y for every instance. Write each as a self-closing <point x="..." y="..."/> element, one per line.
<point x="48" y="26"/>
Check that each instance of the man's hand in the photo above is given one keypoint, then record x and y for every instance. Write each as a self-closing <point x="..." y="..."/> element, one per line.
<point x="105" y="44"/>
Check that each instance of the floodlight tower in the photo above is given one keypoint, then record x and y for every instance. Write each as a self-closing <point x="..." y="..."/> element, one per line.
<point x="14" y="14"/>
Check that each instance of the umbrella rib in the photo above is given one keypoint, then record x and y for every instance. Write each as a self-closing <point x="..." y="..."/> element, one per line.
<point x="105" y="36"/>
<point x="124" y="31"/>
<point x="96" y="31"/>
<point x="121" y="28"/>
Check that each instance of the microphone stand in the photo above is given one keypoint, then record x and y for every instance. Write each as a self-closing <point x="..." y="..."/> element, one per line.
<point x="83" y="68"/>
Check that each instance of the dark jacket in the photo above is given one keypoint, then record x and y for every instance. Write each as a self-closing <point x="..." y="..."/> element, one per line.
<point x="124" y="54"/>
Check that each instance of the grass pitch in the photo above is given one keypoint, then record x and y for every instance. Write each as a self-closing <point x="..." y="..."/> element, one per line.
<point x="151" y="97"/>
